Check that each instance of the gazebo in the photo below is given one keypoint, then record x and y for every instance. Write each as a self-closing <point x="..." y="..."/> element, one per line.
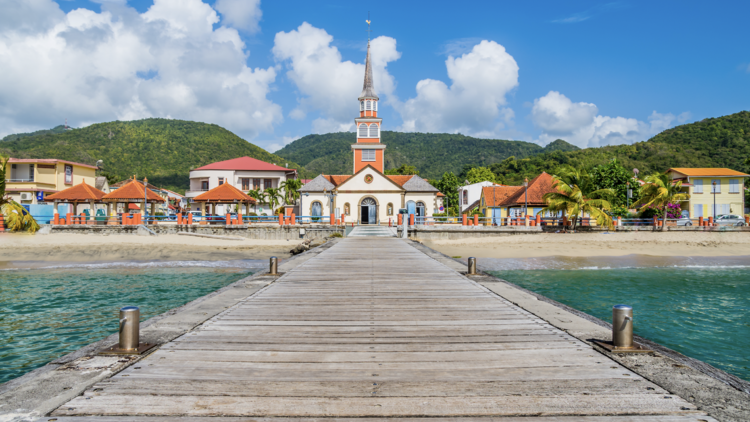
<point x="223" y="194"/>
<point x="81" y="193"/>
<point x="132" y="192"/>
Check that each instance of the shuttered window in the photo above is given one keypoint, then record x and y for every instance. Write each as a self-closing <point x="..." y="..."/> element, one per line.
<point x="369" y="105"/>
<point x="362" y="130"/>
<point x="362" y="106"/>
<point x="697" y="210"/>
<point x="734" y="186"/>
<point x="698" y="186"/>
<point x="373" y="130"/>
<point x="368" y="155"/>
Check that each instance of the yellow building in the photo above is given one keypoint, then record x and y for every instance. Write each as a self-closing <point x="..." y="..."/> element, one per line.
<point x="713" y="191"/>
<point x="29" y="180"/>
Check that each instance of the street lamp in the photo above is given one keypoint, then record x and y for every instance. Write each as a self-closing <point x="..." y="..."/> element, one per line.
<point x="526" y="197"/>
<point x="713" y="191"/>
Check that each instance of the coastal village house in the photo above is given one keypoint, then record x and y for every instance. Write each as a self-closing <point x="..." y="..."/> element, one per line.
<point x="468" y="195"/>
<point x="29" y="180"/>
<point x="708" y="186"/>
<point x="368" y="196"/>
<point x="244" y="173"/>
<point x="511" y="201"/>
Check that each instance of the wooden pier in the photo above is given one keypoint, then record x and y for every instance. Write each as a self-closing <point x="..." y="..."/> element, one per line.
<point x="374" y="328"/>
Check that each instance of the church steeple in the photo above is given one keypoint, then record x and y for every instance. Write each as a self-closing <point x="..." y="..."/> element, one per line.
<point x="368" y="91"/>
<point x="368" y="150"/>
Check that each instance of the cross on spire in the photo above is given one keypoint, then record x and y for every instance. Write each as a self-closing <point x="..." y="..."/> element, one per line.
<point x="368" y="27"/>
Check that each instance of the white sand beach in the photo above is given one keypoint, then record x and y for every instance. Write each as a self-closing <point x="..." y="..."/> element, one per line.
<point x="82" y="247"/>
<point x="598" y="244"/>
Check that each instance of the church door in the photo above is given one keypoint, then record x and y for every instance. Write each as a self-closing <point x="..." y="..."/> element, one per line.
<point x="411" y="208"/>
<point x="369" y="213"/>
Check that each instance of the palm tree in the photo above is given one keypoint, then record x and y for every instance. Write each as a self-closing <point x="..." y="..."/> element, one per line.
<point x="571" y="200"/>
<point x="291" y="190"/>
<point x="258" y="195"/>
<point x="16" y="216"/>
<point x="659" y="191"/>
<point x="273" y="196"/>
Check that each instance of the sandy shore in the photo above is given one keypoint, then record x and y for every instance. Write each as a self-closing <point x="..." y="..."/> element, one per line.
<point x="598" y="244"/>
<point x="81" y="247"/>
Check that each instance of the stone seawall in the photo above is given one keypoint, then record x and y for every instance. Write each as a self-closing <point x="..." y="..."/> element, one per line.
<point x="463" y="232"/>
<point x="269" y="232"/>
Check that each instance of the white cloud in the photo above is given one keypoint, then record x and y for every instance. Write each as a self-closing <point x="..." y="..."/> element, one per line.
<point x="240" y="14"/>
<point x="481" y="79"/>
<point x="581" y="125"/>
<point x="329" y="84"/>
<point x="280" y="143"/>
<point x="120" y="64"/>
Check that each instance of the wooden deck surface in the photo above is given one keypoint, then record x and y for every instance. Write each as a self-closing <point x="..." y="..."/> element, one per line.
<point x="374" y="328"/>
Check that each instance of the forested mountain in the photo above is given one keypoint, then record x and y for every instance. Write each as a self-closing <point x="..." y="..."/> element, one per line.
<point x="56" y="129"/>
<point x="431" y="153"/>
<point x="161" y="149"/>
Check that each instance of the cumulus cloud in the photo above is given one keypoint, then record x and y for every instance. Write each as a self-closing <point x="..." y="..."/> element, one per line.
<point x="120" y="64"/>
<point x="473" y="104"/>
<point x="240" y="14"/>
<point x="329" y="84"/>
<point x="580" y="124"/>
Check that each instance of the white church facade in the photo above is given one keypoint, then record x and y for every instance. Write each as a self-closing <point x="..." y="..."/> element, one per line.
<point x="368" y="196"/>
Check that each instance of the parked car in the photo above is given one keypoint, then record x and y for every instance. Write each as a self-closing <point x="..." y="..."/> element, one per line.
<point x="196" y="215"/>
<point x="684" y="221"/>
<point x="729" y="220"/>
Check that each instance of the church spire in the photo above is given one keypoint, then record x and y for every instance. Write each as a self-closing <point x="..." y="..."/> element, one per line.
<point x="368" y="91"/>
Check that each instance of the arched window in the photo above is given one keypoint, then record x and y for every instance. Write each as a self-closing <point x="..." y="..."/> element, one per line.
<point x="362" y="130"/>
<point x="374" y="130"/>
<point x="346" y="209"/>
<point x="390" y="209"/>
<point x="369" y="105"/>
<point x="420" y="209"/>
<point x="362" y="105"/>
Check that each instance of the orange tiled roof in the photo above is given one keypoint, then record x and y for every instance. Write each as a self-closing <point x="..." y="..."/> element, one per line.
<point x="696" y="172"/>
<point x="440" y="194"/>
<point x="337" y="179"/>
<point x="132" y="191"/>
<point x="494" y="196"/>
<point x="224" y="193"/>
<point x="538" y="187"/>
<point x="78" y="193"/>
<point x="399" y="179"/>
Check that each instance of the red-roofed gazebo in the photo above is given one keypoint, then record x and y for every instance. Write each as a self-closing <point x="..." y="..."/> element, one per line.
<point x="133" y="192"/>
<point x="223" y="194"/>
<point x="81" y="193"/>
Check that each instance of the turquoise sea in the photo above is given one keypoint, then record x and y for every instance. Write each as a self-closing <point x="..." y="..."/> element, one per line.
<point x="50" y="311"/>
<point x="699" y="307"/>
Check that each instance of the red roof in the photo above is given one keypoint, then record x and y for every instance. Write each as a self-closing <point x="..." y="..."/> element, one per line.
<point x="399" y="179"/>
<point x="337" y="179"/>
<point x="223" y="193"/>
<point x="79" y="192"/>
<point x="244" y="163"/>
<point x="47" y="161"/>
<point x="132" y="191"/>
<point x="495" y="196"/>
<point x="132" y="206"/>
<point x="538" y="187"/>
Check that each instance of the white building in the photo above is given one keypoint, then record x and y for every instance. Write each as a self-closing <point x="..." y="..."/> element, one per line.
<point x="368" y="196"/>
<point x="244" y="173"/>
<point x="468" y="195"/>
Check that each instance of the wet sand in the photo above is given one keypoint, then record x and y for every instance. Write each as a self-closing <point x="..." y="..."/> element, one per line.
<point x="598" y="244"/>
<point x="82" y="248"/>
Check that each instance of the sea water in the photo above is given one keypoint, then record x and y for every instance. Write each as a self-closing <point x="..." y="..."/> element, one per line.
<point x="50" y="311"/>
<point x="699" y="307"/>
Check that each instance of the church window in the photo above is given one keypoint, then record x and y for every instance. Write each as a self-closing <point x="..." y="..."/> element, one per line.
<point x="369" y="105"/>
<point x="362" y="130"/>
<point x="373" y="130"/>
<point x="374" y="106"/>
<point x="362" y="105"/>
<point x="390" y="209"/>
<point x="368" y="155"/>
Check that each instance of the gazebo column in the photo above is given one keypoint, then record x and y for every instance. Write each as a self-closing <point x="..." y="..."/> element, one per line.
<point x="203" y="213"/>
<point x="213" y="208"/>
<point x="56" y="214"/>
<point x="92" y="217"/>
<point x="239" y="212"/>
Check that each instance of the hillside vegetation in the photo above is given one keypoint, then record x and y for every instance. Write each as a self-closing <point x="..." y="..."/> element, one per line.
<point x="161" y="149"/>
<point x="431" y="153"/>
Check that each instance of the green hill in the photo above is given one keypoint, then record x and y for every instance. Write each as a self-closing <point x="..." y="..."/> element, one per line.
<point x="161" y="149"/>
<point x="13" y="137"/>
<point x="432" y="153"/>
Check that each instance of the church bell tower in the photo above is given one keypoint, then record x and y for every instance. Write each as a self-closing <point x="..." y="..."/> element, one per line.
<point x="368" y="150"/>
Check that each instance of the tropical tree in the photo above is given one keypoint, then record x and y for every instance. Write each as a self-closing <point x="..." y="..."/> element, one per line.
<point x="16" y="216"/>
<point x="404" y="170"/>
<point x="660" y="191"/>
<point x="614" y="176"/>
<point x="571" y="200"/>
<point x="291" y="190"/>
<point x="273" y="197"/>
<point x="448" y="185"/>
<point x="480" y="174"/>
<point x="258" y="195"/>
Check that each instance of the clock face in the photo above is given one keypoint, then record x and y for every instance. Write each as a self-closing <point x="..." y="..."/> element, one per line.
<point x="368" y="178"/>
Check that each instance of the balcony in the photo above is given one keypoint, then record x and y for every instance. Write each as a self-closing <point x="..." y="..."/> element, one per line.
<point x="19" y="180"/>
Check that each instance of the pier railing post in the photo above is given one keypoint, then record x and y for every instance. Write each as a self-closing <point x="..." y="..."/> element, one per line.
<point x="130" y="319"/>
<point x="622" y="326"/>
<point x="472" y="266"/>
<point x="274" y="266"/>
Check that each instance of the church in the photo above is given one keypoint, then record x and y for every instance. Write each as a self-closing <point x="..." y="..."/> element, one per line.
<point x="368" y="196"/>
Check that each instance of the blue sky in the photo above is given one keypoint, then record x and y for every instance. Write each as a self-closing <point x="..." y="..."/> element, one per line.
<point x="592" y="73"/>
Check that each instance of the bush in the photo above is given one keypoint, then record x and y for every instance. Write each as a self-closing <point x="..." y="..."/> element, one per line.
<point x="337" y="234"/>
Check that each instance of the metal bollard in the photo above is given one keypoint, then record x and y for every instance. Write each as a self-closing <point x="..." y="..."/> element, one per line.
<point x="130" y="317"/>
<point x="622" y="326"/>
<point x="274" y="266"/>
<point x="472" y="266"/>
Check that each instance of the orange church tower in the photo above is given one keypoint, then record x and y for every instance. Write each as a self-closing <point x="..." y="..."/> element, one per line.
<point x="368" y="150"/>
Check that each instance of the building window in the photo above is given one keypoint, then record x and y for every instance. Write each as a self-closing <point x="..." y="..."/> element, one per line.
<point x="204" y="185"/>
<point x="346" y="209"/>
<point x="389" y="209"/>
<point x="368" y="155"/>
<point x="267" y="183"/>
<point x="68" y="174"/>
<point x="373" y="130"/>
<point x="374" y="106"/>
<point x="698" y="186"/>
<point x="369" y="105"/>
<point x="245" y="183"/>
<point x="734" y="186"/>
<point x="256" y="184"/>
<point x="221" y="181"/>
<point x="31" y="172"/>
<point x="361" y="106"/>
<point x="362" y="130"/>
<point x="466" y="197"/>
<point x="716" y="188"/>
